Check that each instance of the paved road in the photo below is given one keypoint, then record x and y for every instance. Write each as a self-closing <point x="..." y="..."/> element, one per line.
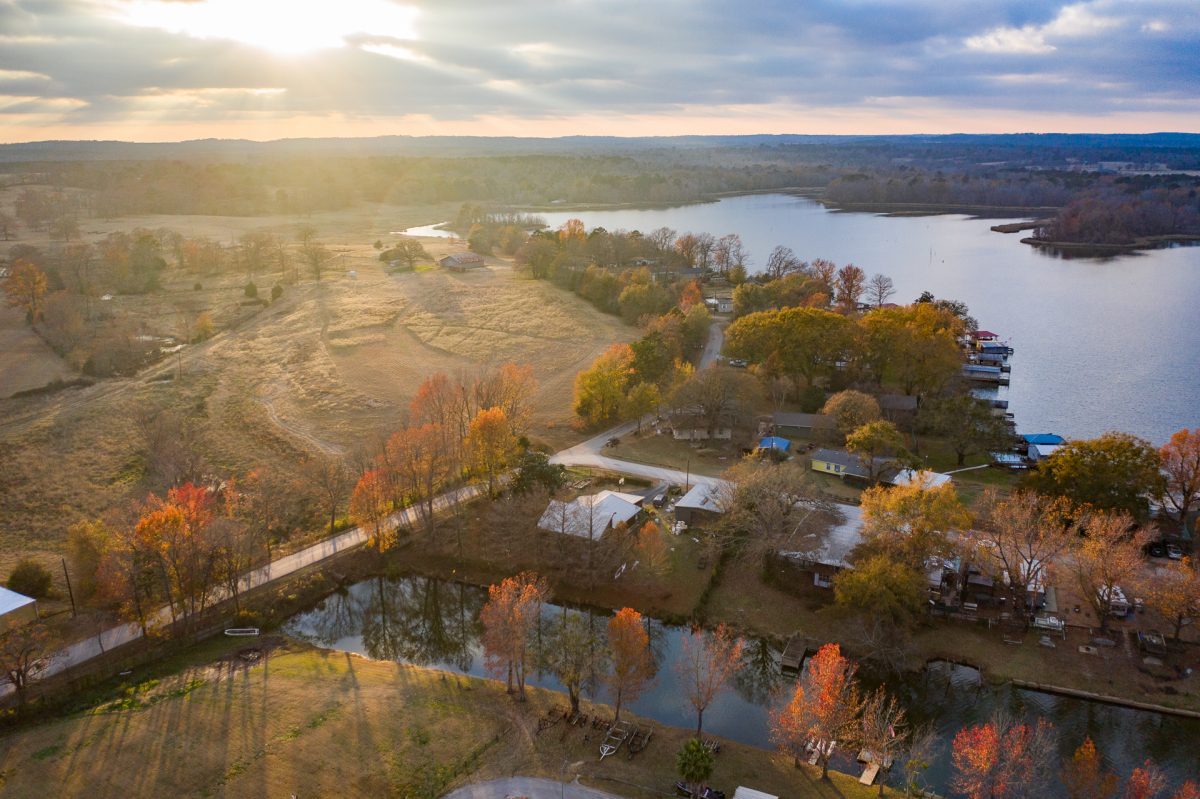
<point x="712" y="347"/>
<point x="529" y="787"/>
<point x="82" y="651"/>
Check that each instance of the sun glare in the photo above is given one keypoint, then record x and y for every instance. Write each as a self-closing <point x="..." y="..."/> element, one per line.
<point x="281" y="26"/>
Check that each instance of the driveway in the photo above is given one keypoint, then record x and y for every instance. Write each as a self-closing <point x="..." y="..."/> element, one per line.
<point x="530" y="787"/>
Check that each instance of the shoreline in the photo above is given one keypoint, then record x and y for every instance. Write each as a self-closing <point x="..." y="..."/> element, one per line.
<point x="1086" y="249"/>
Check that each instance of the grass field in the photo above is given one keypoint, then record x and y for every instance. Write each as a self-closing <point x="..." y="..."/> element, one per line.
<point x="327" y="368"/>
<point x="312" y="723"/>
<point x="25" y="360"/>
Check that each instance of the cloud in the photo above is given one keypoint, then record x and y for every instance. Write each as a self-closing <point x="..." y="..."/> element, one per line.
<point x="526" y="60"/>
<point x="1080" y="19"/>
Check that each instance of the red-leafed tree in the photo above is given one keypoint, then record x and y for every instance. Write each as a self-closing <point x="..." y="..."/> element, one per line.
<point x="174" y="534"/>
<point x="822" y="710"/>
<point x="509" y="620"/>
<point x="629" y="651"/>
<point x="999" y="758"/>
<point x="704" y="669"/>
<point x="1146" y="782"/>
<point x="1189" y="790"/>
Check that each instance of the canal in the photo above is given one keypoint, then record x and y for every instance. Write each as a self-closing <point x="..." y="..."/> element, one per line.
<point x="434" y="623"/>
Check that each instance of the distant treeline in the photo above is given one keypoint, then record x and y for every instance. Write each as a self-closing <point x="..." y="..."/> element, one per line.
<point x="996" y="172"/>
<point x="1123" y="209"/>
<point x="309" y="185"/>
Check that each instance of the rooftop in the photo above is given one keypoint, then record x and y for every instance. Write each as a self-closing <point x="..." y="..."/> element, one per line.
<point x="702" y="496"/>
<point x="590" y="516"/>
<point x="11" y="600"/>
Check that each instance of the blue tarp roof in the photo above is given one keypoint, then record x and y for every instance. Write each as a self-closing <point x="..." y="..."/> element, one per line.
<point x="1043" y="438"/>
<point x="775" y="442"/>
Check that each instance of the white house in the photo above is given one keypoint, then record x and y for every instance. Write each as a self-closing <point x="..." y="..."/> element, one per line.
<point x="591" y="516"/>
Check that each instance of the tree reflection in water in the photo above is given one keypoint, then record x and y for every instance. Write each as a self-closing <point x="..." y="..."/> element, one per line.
<point x="759" y="677"/>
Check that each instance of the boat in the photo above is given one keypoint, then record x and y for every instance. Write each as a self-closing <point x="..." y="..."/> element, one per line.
<point x="618" y="733"/>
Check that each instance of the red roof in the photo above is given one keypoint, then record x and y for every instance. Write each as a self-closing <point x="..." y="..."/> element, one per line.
<point x="985" y="334"/>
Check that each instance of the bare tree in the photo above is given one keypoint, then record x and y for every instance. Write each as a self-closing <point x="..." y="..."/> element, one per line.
<point x="705" y="667"/>
<point x="772" y="507"/>
<point x="1022" y="535"/>
<point x="881" y="732"/>
<point x="25" y="653"/>
<point x="328" y="473"/>
<point x="880" y="288"/>
<point x="1106" y="557"/>
<point x="782" y="262"/>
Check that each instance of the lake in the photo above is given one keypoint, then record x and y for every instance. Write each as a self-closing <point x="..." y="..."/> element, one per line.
<point x="1101" y="344"/>
<point x="434" y="623"/>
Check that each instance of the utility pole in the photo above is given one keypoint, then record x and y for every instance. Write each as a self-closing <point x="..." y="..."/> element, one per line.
<point x="70" y="593"/>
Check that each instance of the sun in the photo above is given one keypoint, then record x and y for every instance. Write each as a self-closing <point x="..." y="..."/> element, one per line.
<point x="280" y="26"/>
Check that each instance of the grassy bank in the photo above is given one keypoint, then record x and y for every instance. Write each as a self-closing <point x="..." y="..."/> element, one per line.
<point x="317" y="723"/>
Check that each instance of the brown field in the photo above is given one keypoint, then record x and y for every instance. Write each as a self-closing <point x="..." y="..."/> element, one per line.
<point x="327" y="367"/>
<point x="25" y="360"/>
<point x="311" y="723"/>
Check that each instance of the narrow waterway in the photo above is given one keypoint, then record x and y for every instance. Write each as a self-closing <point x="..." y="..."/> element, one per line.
<point x="433" y="623"/>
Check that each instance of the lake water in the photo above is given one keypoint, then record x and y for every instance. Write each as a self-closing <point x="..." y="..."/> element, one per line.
<point x="1101" y="344"/>
<point x="435" y="623"/>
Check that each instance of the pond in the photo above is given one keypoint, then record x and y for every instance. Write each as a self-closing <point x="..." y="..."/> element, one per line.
<point x="1101" y="344"/>
<point x="433" y="623"/>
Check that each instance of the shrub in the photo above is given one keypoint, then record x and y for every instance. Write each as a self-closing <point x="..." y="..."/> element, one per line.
<point x="251" y="290"/>
<point x="31" y="579"/>
<point x="197" y="286"/>
<point x="276" y="291"/>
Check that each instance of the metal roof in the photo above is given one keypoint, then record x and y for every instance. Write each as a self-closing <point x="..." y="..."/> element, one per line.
<point x="11" y="600"/>
<point x="1043" y="438"/>
<point x="701" y="497"/>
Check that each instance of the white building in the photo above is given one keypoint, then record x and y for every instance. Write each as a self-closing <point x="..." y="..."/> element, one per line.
<point x="591" y="516"/>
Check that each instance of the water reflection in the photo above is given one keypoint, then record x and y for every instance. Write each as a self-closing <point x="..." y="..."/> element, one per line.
<point x="430" y="622"/>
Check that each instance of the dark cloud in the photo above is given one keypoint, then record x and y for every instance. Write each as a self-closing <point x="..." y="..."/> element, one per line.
<point x="527" y="58"/>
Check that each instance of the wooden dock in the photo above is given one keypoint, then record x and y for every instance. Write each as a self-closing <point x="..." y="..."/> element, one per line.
<point x="794" y="653"/>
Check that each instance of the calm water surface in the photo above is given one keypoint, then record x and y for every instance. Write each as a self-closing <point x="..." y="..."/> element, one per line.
<point x="435" y="623"/>
<point x="1100" y="344"/>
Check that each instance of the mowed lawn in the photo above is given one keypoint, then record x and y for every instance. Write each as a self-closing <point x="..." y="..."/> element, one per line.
<point x="314" y="723"/>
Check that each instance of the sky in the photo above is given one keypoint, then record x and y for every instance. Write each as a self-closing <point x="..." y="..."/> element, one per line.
<point x="167" y="70"/>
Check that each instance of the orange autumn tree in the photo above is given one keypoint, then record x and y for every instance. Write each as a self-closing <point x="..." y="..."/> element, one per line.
<point x="509" y="620"/>
<point x="173" y="535"/>
<point x="707" y="663"/>
<point x="652" y="549"/>
<point x="1085" y="777"/>
<point x="491" y="444"/>
<point x="1146" y="782"/>
<point x="1189" y="790"/>
<point x="369" y="505"/>
<point x="1181" y="465"/>
<point x="25" y="289"/>
<point x="632" y="664"/>
<point x="822" y="710"/>
<point x="419" y="463"/>
<point x="999" y="758"/>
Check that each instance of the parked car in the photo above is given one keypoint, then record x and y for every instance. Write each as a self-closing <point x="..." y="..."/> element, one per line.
<point x="739" y="363"/>
<point x="1156" y="549"/>
<point x="1174" y="552"/>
